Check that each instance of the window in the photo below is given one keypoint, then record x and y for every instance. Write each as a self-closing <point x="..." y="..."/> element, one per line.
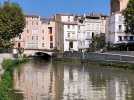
<point x="50" y="30"/>
<point x="68" y="18"/>
<point x="92" y="34"/>
<point x="32" y="22"/>
<point x="32" y="37"/>
<point x="131" y="38"/>
<point x="120" y="28"/>
<point x="51" y="38"/>
<point x="36" y="23"/>
<point x="42" y="31"/>
<point x="79" y="27"/>
<point x="125" y="38"/>
<point x="71" y="45"/>
<point x="36" y="37"/>
<point x="19" y="36"/>
<point x="51" y="45"/>
<point x="73" y="33"/>
<point x="68" y="34"/>
<point x="80" y="21"/>
<point x="19" y="45"/>
<point x="68" y="26"/>
<point x="43" y="44"/>
<point x="42" y="38"/>
<point x="120" y="38"/>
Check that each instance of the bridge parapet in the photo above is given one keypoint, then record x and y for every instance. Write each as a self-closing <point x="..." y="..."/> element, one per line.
<point x="32" y="52"/>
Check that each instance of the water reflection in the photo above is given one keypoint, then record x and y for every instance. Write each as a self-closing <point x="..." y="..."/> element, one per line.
<point x="39" y="80"/>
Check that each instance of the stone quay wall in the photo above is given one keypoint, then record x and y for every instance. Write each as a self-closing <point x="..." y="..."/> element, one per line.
<point x="99" y="56"/>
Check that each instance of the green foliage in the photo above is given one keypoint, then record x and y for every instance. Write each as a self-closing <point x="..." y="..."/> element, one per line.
<point x="6" y="84"/>
<point x="98" y="42"/>
<point x="129" y="17"/>
<point x="12" y="23"/>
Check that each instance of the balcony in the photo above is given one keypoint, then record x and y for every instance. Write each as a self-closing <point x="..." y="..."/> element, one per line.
<point x="71" y="38"/>
<point x="83" y="46"/>
<point x="88" y="38"/>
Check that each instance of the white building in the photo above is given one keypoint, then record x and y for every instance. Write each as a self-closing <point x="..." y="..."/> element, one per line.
<point x="69" y="31"/>
<point x="116" y="29"/>
<point x="89" y="26"/>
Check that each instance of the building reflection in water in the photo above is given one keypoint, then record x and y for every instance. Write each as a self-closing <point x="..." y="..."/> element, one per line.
<point x="36" y="81"/>
<point x="46" y="81"/>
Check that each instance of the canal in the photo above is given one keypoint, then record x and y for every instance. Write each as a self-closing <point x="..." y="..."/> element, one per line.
<point x="40" y="80"/>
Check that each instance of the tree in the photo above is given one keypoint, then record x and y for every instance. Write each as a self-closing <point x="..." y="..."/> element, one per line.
<point x="129" y="17"/>
<point x="98" y="42"/>
<point x="12" y="23"/>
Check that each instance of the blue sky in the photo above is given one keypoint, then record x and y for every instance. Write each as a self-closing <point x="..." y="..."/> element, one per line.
<point x="50" y="7"/>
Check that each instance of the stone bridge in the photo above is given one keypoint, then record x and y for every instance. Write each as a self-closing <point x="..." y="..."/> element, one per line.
<point x="33" y="52"/>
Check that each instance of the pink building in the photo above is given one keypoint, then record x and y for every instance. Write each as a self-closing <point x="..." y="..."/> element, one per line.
<point x="39" y="33"/>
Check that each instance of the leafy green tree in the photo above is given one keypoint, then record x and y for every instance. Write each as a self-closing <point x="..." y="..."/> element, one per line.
<point x="129" y="17"/>
<point x="98" y="42"/>
<point x="12" y="23"/>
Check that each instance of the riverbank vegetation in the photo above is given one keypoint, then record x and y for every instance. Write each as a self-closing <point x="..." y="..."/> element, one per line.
<point x="6" y="83"/>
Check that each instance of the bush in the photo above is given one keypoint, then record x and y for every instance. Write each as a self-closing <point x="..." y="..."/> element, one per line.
<point x="6" y="83"/>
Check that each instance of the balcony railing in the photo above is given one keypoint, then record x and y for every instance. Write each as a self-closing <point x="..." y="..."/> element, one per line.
<point x="72" y="38"/>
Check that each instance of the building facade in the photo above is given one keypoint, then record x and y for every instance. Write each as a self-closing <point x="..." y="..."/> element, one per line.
<point x="63" y="32"/>
<point x="68" y="37"/>
<point x="89" y="26"/>
<point x="116" y="29"/>
<point x="39" y="33"/>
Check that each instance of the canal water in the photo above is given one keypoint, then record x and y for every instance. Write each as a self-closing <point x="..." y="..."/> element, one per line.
<point x="40" y="80"/>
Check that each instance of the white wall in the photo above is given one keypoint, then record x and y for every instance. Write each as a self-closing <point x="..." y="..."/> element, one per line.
<point x="114" y="32"/>
<point x="70" y="33"/>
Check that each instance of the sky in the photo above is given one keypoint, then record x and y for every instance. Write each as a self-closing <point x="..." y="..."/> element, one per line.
<point x="51" y="7"/>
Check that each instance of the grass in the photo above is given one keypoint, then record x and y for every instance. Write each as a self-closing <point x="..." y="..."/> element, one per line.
<point x="6" y="83"/>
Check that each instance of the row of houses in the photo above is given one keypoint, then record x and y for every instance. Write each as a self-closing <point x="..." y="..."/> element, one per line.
<point x="70" y="32"/>
<point x="63" y="32"/>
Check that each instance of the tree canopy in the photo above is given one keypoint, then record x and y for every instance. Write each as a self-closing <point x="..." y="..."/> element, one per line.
<point x="129" y="17"/>
<point x="98" y="42"/>
<point x="12" y="22"/>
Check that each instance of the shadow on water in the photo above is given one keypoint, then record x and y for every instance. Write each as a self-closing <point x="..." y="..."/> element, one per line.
<point x="40" y="62"/>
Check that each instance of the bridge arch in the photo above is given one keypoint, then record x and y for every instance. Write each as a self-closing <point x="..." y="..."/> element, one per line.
<point x="43" y="55"/>
<point x="30" y="52"/>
